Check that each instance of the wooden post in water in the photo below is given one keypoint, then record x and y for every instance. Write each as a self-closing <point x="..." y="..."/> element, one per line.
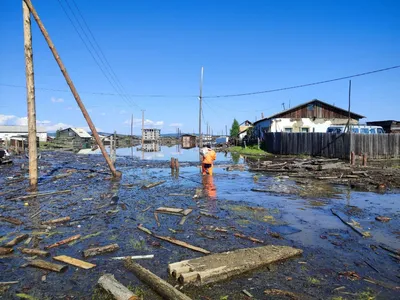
<point x="71" y="85"/>
<point x="30" y="90"/>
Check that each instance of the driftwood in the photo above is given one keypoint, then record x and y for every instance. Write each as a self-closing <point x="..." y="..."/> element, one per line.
<point x="75" y="262"/>
<point x="169" y="210"/>
<point x="42" y="264"/>
<point x="4" y="251"/>
<point x="34" y="252"/>
<point x="40" y="195"/>
<point x="11" y="220"/>
<point x="348" y="224"/>
<point x="221" y="266"/>
<point x="174" y="241"/>
<point x="2" y="283"/>
<point x="100" y="250"/>
<point x="55" y="221"/>
<point x="16" y="240"/>
<point x="163" y="288"/>
<point x="389" y="249"/>
<point x="151" y="185"/>
<point x="242" y="236"/>
<point x="63" y="242"/>
<point x="115" y="288"/>
<point x="276" y="292"/>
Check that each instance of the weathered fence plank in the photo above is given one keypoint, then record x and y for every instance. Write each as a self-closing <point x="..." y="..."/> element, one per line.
<point x="332" y="145"/>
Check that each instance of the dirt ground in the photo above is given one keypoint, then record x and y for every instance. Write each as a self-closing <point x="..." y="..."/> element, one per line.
<point x="276" y="208"/>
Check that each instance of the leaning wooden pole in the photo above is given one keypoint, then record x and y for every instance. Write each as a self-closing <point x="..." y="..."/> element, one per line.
<point x="30" y="91"/>
<point x="72" y="87"/>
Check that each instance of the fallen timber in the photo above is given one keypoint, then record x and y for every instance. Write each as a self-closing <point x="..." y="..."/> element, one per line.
<point x="162" y="287"/>
<point x="115" y="288"/>
<point x="221" y="266"/>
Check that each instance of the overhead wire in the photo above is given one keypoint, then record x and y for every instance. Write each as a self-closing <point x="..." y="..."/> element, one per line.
<point x="102" y="68"/>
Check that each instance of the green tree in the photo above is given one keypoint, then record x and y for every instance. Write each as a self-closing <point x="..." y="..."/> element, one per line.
<point x="235" y="129"/>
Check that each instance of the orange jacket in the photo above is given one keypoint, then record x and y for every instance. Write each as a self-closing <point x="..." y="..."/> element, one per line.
<point x="209" y="157"/>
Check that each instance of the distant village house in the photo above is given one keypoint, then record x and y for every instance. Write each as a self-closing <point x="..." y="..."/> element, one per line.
<point x="312" y="116"/>
<point x="78" y="137"/>
<point x="9" y="131"/>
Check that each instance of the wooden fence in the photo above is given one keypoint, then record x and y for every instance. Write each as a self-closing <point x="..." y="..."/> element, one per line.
<point x="332" y="145"/>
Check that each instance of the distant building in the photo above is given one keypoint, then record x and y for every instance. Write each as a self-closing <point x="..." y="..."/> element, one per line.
<point x="77" y="136"/>
<point x="390" y="126"/>
<point x="188" y="141"/>
<point x="151" y="147"/>
<point x="311" y="116"/>
<point x="151" y="134"/>
<point x="245" y="125"/>
<point x="8" y="131"/>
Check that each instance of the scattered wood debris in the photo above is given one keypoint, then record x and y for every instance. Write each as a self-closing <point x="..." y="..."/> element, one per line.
<point x="151" y="185"/>
<point x="33" y="195"/>
<point x="42" y="264"/>
<point x="16" y="240"/>
<point x="362" y="233"/>
<point x="221" y="266"/>
<point x="4" y="251"/>
<point x="383" y="219"/>
<point x="162" y="287"/>
<point x="11" y="220"/>
<point x="100" y="250"/>
<point x="276" y="292"/>
<point x="75" y="262"/>
<point x="242" y="236"/>
<point x="174" y="241"/>
<point x="63" y="242"/>
<point x="115" y="288"/>
<point x="55" y="221"/>
<point x="37" y="252"/>
<point x="150" y="256"/>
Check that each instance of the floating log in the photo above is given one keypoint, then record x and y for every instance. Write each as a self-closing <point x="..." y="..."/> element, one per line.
<point x="206" y="214"/>
<point x="34" y="252"/>
<point x="63" y="242"/>
<point x="151" y="185"/>
<point x="40" y="195"/>
<point x="4" y="251"/>
<point x="221" y="266"/>
<point x="2" y="283"/>
<point x="276" y="292"/>
<point x="11" y="220"/>
<point x="75" y="262"/>
<point x="42" y="264"/>
<point x="363" y="234"/>
<point x="327" y="177"/>
<point x="242" y="236"/>
<point x="100" y="250"/>
<point x="169" y="210"/>
<point x="163" y="288"/>
<point x="55" y="221"/>
<point x="174" y="241"/>
<point x="187" y="211"/>
<point x="115" y="288"/>
<point x="16" y="240"/>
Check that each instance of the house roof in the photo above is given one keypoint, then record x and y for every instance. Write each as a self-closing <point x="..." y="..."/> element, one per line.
<point x="246" y="121"/>
<point x="277" y="115"/>
<point x="20" y="129"/>
<point x="80" y="132"/>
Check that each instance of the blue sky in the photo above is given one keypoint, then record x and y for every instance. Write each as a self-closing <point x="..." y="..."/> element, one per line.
<point x="158" y="47"/>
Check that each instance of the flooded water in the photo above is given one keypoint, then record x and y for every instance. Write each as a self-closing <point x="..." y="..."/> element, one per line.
<point x="164" y="153"/>
<point x="289" y="211"/>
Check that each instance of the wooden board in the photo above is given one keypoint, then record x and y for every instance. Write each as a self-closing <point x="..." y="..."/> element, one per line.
<point x="75" y="262"/>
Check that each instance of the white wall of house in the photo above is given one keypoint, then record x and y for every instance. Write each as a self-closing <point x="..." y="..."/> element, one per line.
<point x="296" y="125"/>
<point x="6" y="132"/>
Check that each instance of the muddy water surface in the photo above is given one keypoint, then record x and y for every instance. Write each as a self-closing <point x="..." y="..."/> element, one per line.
<point x="337" y="262"/>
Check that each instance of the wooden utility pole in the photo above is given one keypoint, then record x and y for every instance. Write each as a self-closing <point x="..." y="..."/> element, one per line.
<point x="200" y="100"/>
<point x="132" y="130"/>
<point x="71" y="85"/>
<point x="30" y="91"/>
<point x="348" y="122"/>
<point x="142" y="128"/>
<point x="226" y="130"/>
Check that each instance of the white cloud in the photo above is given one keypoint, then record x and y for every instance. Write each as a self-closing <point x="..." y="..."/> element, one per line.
<point x="57" y="100"/>
<point x="147" y="122"/>
<point x="4" y="119"/>
<point x="175" y="125"/>
<point x="23" y="121"/>
<point x="55" y="127"/>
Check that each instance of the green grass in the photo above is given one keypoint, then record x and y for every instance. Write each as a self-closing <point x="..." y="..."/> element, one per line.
<point x="250" y="150"/>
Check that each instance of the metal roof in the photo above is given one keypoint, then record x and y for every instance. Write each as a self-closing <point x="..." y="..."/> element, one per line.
<point x="81" y="132"/>
<point x="20" y="129"/>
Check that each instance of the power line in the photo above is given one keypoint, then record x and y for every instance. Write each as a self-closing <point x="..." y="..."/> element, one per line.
<point x="211" y="97"/>
<point x="302" y="85"/>
<point x="102" y="69"/>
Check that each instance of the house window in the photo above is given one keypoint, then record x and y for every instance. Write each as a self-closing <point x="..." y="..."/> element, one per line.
<point x="303" y="129"/>
<point x="288" y="129"/>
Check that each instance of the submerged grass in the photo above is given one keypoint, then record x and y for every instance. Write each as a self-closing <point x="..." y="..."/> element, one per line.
<point x="250" y="150"/>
